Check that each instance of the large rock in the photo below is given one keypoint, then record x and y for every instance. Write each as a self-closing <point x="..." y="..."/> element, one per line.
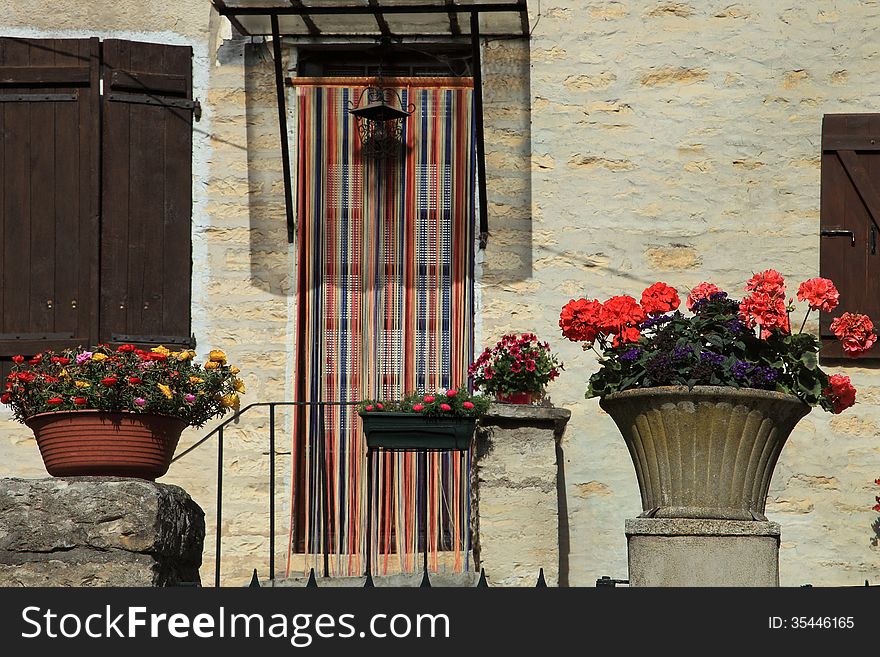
<point x="98" y="531"/>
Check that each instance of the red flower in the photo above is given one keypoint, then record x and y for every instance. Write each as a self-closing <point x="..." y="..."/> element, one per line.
<point x="428" y="399"/>
<point x="530" y="365"/>
<point x="379" y="406"/>
<point x="36" y="360"/>
<point x="468" y="405"/>
<point x="79" y="401"/>
<point x="61" y="360"/>
<point x="619" y="313"/>
<point x="445" y="407"/>
<point x="841" y="392"/>
<point x="4" y="399"/>
<point x="125" y="348"/>
<point x="155" y="355"/>
<point x="627" y="335"/>
<point x="451" y="393"/>
<point x="702" y="291"/>
<point x="369" y="408"/>
<point x="27" y="377"/>
<point x="820" y="293"/>
<point x="766" y="311"/>
<point x="516" y="367"/>
<point x="50" y="379"/>
<point x="18" y="360"/>
<point x="660" y="298"/>
<point x="54" y="401"/>
<point x="579" y="320"/>
<point x="769" y="282"/>
<point x="418" y="408"/>
<point x="133" y="380"/>
<point x="109" y="381"/>
<point x="855" y="332"/>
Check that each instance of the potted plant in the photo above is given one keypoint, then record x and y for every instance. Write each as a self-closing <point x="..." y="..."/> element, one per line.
<point x="706" y="401"/>
<point x="444" y="419"/>
<point x="117" y="412"/>
<point x="516" y="370"/>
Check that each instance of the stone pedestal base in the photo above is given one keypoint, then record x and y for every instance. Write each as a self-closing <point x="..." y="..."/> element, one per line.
<point x="98" y="531"/>
<point x="516" y="507"/>
<point x="684" y="552"/>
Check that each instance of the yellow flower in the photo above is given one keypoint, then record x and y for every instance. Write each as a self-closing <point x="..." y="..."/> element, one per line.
<point x="161" y="350"/>
<point x="82" y="384"/>
<point x="217" y="356"/>
<point x="186" y="354"/>
<point x="64" y="375"/>
<point x="174" y="354"/>
<point x="212" y="365"/>
<point x="234" y="370"/>
<point x="238" y="385"/>
<point x="165" y="390"/>
<point x="196" y="380"/>
<point x="230" y="401"/>
<point x="99" y="357"/>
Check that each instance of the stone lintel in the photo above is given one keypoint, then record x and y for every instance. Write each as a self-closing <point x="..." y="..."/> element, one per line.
<point x="700" y="527"/>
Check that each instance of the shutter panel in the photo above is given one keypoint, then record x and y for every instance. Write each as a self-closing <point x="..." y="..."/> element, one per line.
<point x="850" y="219"/>
<point x="49" y="120"/>
<point x="146" y="256"/>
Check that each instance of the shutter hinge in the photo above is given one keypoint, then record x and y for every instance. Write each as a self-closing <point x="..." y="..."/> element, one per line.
<point x="839" y="233"/>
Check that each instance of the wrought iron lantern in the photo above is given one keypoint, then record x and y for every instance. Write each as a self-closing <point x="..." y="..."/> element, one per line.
<point x="380" y="115"/>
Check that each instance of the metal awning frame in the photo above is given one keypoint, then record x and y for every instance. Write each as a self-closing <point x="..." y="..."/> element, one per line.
<point x="297" y="8"/>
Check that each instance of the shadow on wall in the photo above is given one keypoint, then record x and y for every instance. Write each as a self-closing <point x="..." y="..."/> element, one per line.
<point x="507" y="124"/>
<point x="270" y="269"/>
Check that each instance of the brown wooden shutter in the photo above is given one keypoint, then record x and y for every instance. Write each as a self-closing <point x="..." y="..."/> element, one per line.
<point x="850" y="219"/>
<point x="49" y="154"/>
<point x="146" y="260"/>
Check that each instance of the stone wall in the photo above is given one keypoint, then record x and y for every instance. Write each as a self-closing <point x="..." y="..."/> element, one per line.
<point x="628" y="142"/>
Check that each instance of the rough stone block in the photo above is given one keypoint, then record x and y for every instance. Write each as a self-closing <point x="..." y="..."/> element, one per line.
<point x="687" y="552"/>
<point x="98" y="531"/>
<point x="517" y="508"/>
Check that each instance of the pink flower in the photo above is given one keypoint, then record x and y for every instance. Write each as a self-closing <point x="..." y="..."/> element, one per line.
<point x="379" y="406"/>
<point x="418" y="408"/>
<point x="468" y="405"/>
<point x="190" y="398"/>
<point x="140" y="401"/>
<point x="445" y="407"/>
<point x="83" y="357"/>
<point x="368" y="408"/>
<point x="820" y="293"/>
<point x="428" y="399"/>
<point x="451" y="393"/>
<point x="530" y="365"/>
<point x="702" y="291"/>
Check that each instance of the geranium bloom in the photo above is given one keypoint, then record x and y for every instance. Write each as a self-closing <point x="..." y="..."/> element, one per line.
<point x="418" y="408"/>
<point x="451" y="393"/>
<point x="766" y="311"/>
<point x="855" y="332"/>
<point x="840" y="392"/>
<point x="468" y="405"/>
<point x="428" y="399"/>
<point x="579" y="320"/>
<point x="769" y="282"/>
<point x="620" y="312"/>
<point x="660" y="298"/>
<point x="820" y="293"/>
<point x="445" y="407"/>
<point x="702" y="291"/>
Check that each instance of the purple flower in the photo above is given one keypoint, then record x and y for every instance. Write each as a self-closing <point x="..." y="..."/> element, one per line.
<point x="711" y="357"/>
<point x="682" y="352"/>
<point x="190" y="398"/>
<point x="741" y="369"/>
<point x="655" y="321"/>
<point x="83" y="357"/>
<point x="631" y="354"/>
<point x="140" y="401"/>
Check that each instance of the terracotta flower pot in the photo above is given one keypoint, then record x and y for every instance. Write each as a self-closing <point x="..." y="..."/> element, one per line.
<point x="708" y="452"/>
<point x="517" y="397"/>
<point x="99" y="443"/>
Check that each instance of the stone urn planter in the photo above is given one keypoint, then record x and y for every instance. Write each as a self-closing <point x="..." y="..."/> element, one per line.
<point x="412" y="431"/>
<point x="707" y="452"/>
<point x="101" y="443"/>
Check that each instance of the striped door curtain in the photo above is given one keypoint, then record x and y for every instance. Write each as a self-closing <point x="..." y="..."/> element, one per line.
<point x="385" y="306"/>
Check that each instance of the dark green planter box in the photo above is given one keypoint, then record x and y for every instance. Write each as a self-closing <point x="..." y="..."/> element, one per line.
<point x="410" y="431"/>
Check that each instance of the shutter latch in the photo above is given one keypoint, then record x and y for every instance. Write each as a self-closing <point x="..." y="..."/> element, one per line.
<point x="839" y="233"/>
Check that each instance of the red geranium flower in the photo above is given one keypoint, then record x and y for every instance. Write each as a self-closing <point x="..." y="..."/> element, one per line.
<point x="18" y="360"/>
<point x="660" y="298"/>
<point x="4" y="399"/>
<point x="451" y="393"/>
<point x="55" y="401"/>
<point x="855" y="332"/>
<point x="769" y="282"/>
<point x="764" y="310"/>
<point x="125" y="348"/>
<point x="702" y="291"/>
<point x="841" y="393"/>
<point x="109" y="381"/>
<point x="579" y="320"/>
<point x="468" y="405"/>
<point x="418" y="408"/>
<point x="820" y="293"/>
<point x="445" y="407"/>
<point x="368" y="408"/>
<point x="428" y="399"/>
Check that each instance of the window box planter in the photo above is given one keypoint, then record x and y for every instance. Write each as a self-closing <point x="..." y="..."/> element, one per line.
<point x="413" y="431"/>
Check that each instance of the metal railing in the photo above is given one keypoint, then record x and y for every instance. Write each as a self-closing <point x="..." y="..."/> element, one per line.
<point x="218" y="431"/>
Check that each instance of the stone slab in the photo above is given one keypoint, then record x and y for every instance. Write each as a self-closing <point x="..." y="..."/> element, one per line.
<point x="98" y="531"/>
<point x="678" y="552"/>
